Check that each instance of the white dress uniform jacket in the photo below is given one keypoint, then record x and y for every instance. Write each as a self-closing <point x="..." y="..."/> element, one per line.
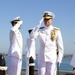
<point x="16" y="42"/>
<point x="48" y="47"/>
<point x="30" y="48"/>
<point x="30" y="51"/>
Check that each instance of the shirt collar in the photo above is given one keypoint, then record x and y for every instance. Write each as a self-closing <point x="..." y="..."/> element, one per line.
<point x="49" y="27"/>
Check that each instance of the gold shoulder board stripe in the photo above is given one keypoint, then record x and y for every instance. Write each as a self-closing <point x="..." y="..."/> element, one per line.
<point x="56" y="28"/>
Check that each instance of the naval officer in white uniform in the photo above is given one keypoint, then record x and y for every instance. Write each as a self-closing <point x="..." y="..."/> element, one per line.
<point x="15" y="49"/>
<point x="50" y="41"/>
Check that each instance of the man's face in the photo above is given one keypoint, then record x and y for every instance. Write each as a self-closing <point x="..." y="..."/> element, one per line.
<point x="14" y="23"/>
<point x="47" y="22"/>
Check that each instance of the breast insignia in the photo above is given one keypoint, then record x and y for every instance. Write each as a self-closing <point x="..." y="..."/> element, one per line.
<point x="53" y="33"/>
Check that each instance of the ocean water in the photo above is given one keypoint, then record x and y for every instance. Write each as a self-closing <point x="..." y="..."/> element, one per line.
<point x="65" y="65"/>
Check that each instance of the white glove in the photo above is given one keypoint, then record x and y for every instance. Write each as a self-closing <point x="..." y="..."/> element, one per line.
<point x="38" y="26"/>
<point x="40" y="22"/>
<point x="58" y="62"/>
<point x="20" y="22"/>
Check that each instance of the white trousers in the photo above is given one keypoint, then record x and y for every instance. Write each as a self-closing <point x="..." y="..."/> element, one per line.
<point x="14" y="66"/>
<point x="47" y="68"/>
<point x="27" y="66"/>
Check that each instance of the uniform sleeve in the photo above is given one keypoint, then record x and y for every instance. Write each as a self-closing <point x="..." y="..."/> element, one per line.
<point x="15" y="28"/>
<point x="35" y="32"/>
<point x="30" y="48"/>
<point x="60" y="46"/>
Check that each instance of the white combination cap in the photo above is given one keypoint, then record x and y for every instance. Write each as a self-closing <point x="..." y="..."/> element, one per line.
<point x="16" y="19"/>
<point x="48" y="15"/>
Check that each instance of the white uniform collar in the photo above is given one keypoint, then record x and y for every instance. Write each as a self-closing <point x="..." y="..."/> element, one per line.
<point x="49" y="27"/>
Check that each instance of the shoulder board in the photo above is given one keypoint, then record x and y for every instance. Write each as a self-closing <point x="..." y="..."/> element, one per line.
<point x="41" y="27"/>
<point x="56" y="28"/>
<point x="32" y="29"/>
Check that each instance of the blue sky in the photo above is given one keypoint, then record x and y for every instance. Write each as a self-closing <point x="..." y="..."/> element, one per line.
<point x="31" y="12"/>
